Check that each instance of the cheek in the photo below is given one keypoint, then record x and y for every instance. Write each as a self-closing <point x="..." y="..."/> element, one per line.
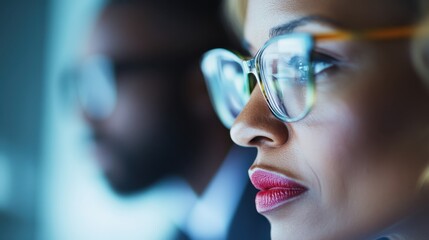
<point x="328" y="147"/>
<point x="388" y="98"/>
<point x="366" y="180"/>
<point x="329" y="144"/>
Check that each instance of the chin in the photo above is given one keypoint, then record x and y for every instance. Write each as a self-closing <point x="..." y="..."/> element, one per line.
<point x="123" y="187"/>
<point x="127" y="183"/>
<point x="307" y="231"/>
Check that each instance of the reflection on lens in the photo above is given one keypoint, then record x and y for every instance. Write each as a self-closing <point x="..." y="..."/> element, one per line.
<point x="97" y="87"/>
<point x="286" y="73"/>
<point x="232" y="81"/>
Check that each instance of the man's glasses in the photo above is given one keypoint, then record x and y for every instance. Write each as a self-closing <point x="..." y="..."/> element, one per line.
<point x="284" y="68"/>
<point x="96" y="78"/>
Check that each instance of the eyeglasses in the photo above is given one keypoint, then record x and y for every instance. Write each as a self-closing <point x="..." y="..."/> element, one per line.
<point x="96" y="79"/>
<point x="284" y="68"/>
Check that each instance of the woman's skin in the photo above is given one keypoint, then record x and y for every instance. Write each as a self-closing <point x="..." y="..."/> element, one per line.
<point x="362" y="150"/>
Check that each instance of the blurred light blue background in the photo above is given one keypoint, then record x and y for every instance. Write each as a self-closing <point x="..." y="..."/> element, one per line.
<point x="45" y="176"/>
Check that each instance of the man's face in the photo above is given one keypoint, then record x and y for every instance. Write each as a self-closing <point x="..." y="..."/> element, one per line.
<point x="142" y="138"/>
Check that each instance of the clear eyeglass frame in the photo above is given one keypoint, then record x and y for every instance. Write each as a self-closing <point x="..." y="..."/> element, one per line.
<point x="288" y="86"/>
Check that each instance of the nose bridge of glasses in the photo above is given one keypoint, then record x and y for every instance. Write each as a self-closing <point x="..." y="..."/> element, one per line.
<point x="249" y="67"/>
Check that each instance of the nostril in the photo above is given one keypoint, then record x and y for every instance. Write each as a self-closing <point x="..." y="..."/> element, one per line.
<point x="259" y="140"/>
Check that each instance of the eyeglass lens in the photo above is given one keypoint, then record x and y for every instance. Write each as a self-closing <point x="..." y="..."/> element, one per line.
<point x="286" y="77"/>
<point x="283" y="69"/>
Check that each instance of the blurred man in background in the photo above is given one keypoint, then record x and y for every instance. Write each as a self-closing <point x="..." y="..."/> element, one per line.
<point x="155" y="134"/>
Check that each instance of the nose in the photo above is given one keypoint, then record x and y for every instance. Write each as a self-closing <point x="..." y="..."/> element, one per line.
<point x="256" y="126"/>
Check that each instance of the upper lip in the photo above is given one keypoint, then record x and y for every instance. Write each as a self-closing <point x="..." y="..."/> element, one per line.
<point x="264" y="179"/>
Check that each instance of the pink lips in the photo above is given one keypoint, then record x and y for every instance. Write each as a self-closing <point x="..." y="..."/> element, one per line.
<point x="276" y="189"/>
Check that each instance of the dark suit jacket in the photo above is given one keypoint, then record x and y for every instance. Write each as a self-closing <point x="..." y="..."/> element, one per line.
<point x="248" y="224"/>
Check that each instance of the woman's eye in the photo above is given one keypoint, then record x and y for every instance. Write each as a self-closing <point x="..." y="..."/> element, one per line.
<point x="322" y="62"/>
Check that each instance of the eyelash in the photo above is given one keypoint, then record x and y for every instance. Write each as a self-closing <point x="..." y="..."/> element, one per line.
<point x="323" y="63"/>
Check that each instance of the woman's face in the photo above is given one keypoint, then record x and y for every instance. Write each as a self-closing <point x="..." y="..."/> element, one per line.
<point x="357" y="159"/>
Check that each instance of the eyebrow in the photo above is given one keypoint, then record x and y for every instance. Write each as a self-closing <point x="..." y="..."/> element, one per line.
<point x="290" y="26"/>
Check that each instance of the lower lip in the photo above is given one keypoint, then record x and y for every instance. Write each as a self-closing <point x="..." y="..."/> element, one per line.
<point x="275" y="189"/>
<point x="268" y="200"/>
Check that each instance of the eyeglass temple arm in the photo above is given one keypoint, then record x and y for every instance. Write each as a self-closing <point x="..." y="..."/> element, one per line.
<point x="378" y="34"/>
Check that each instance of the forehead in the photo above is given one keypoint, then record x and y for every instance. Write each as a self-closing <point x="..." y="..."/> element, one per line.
<point x="262" y="15"/>
<point x="130" y="30"/>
